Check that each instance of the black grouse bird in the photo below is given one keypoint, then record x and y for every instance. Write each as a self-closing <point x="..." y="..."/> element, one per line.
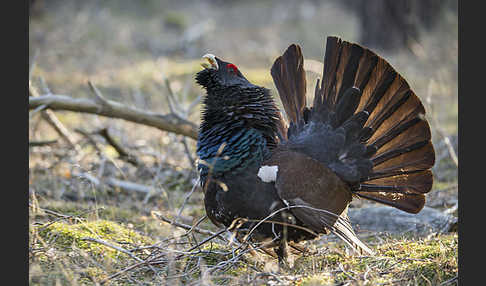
<point x="364" y="136"/>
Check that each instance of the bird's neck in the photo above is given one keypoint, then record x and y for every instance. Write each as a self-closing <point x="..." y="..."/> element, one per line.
<point x="237" y="132"/>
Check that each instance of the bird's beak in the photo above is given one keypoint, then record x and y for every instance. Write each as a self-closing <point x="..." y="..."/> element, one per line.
<point x="212" y="63"/>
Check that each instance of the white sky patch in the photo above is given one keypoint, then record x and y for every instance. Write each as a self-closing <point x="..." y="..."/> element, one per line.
<point x="268" y="173"/>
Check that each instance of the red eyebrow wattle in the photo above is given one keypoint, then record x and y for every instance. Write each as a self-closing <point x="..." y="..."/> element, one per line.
<point x="233" y="67"/>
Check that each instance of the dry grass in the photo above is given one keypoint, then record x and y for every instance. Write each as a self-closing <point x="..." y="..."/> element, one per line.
<point x="82" y="233"/>
<point x="119" y="239"/>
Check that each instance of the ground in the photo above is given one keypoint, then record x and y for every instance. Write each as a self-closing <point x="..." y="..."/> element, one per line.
<point x="82" y="231"/>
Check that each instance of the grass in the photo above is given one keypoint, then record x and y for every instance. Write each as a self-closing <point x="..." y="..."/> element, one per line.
<point x="60" y="251"/>
<point x="128" y="50"/>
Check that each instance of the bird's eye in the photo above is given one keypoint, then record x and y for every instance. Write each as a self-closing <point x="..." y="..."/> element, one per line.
<point x="232" y="68"/>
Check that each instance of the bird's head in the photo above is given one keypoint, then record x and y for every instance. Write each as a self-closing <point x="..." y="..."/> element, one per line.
<point x="219" y="74"/>
<point x="232" y="101"/>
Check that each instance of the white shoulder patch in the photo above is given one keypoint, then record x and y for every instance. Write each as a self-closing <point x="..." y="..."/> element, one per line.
<point x="268" y="173"/>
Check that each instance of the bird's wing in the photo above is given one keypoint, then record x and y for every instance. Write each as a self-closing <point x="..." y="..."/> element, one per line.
<point x="315" y="195"/>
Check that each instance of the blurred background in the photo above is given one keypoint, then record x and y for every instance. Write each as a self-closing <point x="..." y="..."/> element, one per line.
<point x="136" y="52"/>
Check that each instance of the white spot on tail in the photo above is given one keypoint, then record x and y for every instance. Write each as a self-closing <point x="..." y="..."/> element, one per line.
<point x="268" y="173"/>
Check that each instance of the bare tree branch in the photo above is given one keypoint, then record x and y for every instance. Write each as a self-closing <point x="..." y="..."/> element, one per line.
<point x="169" y="122"/>
<point x="52" y="119"/>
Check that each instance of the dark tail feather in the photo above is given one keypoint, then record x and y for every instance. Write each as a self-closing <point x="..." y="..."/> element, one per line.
<point x="347" y="105"/>
<point x="289" y="78"/>
<point x="386" y="116"/>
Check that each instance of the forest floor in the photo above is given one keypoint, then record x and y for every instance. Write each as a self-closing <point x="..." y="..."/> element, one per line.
<point x="96" y="217"/>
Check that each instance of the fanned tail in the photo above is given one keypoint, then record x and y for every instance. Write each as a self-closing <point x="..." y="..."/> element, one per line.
<point x="387" y="152"/>
<point x="387" y="121"/>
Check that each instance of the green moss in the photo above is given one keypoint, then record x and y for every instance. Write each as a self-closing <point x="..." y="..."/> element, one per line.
<point x="94" y="272"/>
<point x="406" y="259"/>
<point x="141" y="223"/>
<point x="422" y="249"/>
<point x="67" y="236"/>
<point x="318" y="279"/>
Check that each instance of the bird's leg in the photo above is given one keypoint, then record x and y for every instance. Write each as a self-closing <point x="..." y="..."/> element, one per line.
<point x="282" y="250"/>
<point x="282" y="253"/>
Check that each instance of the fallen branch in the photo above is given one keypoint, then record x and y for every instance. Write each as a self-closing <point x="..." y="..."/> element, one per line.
<point x="169" y="122"/>
<point x="129" y="186"/>
<point x="52" y="119"/>
<point x="124" y="185"/>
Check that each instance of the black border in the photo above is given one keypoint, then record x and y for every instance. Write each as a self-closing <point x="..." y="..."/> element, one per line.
<point x="471" y="127"/>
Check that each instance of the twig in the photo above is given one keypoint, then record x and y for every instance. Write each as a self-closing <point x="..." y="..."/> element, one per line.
<point x="440" y="131"/>
<point x="175" y="107"/>
<point x="42" y="143"/>
<point x="186" y="199"/>
<point x="300" y="248"/>
<point x="185" y="226"/>
<point x="266" y="219"/>
<point x="95" y="144"/>
<point x="345" y="273"/>
<point x="51" y="212"/>
<point x="113" y="182"/>
<point x="188" y="153"/>
<point x="122" y="271"/>
<point x="90" y="139"/>
<point x="198" y="222"/>
<point x="170" y="122"/>
<point x="98" y="95"/>
<point x="217" y="234"/>
<point x="40" y="108"/>
<point x="52" y="119"/>
<point x="128" y="186"/>
<point x="153" y="261"/>
<point x="453" y="279"/>
<point x="170" y="97"/>
<point x="193" y="104"/>
<point x="124" y="154"/>
<point x="113" y="246"/>
<point x="450" y="148"/>
<point x="64" y="217"/>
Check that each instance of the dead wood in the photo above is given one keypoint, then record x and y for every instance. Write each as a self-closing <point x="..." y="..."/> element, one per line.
<point x="168" y="122"/>
<point x="116" y="183"/>
<point x="52" y="119"/>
